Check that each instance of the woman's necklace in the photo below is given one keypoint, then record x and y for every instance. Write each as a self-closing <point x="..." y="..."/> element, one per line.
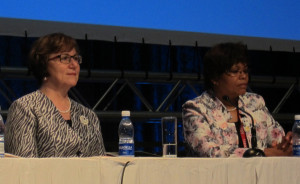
<point x="68" y="110"/>
<point x="231" y="109"/>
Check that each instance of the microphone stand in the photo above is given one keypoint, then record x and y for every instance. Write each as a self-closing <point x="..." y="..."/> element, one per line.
<point x="254" y="151"/>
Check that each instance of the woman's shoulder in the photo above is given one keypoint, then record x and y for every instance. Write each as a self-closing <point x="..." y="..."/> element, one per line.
<point x="28" y="99"/>
<point x="204" y="98"/>
<point x="253" y="98"/>
<point x="203" y="103"/>
<point x="251" y="95"/>
<point x="26" y="104"/>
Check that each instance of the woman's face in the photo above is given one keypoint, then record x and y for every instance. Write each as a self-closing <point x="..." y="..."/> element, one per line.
<point x="63" y="74"/>
<point x="232" y="83"/>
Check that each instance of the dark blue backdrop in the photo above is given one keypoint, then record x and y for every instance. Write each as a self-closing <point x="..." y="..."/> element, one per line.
<point x="144" y="57"/>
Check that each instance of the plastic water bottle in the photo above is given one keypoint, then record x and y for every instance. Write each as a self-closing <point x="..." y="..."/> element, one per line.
<point x="296" y="136"/>
<point x="1" y="136"/>
<point x="126" y="135"/>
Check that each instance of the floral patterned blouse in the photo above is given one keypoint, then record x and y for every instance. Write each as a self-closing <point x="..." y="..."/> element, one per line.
<point x="208" y="133"/>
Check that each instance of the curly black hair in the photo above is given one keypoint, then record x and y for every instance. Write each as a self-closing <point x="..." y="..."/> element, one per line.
<point x="220" y="58"/>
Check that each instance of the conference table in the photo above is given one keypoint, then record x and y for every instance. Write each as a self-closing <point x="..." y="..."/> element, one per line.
<point x="150" y="170"/>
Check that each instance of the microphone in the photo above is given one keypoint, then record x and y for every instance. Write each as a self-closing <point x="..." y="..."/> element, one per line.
<point x="254" y="151"/>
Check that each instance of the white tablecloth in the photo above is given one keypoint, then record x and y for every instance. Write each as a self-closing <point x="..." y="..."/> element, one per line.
<point x="150" y="170"/>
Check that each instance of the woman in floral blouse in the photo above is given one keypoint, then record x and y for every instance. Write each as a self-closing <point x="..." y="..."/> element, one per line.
<point x="218" y="122"/>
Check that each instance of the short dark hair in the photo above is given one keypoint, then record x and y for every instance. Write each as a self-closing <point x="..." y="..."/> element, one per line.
<point x="220" y="58"/>
<point x="43" y="47"/>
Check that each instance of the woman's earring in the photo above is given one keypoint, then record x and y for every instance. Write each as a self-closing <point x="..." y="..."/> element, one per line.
<point x="45" y="78"/>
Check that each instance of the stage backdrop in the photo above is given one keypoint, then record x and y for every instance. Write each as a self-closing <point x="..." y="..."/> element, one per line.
<point x="268" y="19"/>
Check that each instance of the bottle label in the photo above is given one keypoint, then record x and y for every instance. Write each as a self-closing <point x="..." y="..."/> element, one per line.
<point x="296" y="150"/>
<point x="126" y="149"/>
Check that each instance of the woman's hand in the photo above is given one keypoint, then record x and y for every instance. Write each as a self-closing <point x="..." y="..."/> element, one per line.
<point x="286" y="142"/>
<point x="285" y="148"/>
<point x="269" y="152"/>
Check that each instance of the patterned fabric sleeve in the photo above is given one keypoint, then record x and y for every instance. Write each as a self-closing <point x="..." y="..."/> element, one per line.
<point x="20" y="131"/>
<point x="205" y="140"/>
<point x="273" y="131"/>
<point x="101" y="148"/>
